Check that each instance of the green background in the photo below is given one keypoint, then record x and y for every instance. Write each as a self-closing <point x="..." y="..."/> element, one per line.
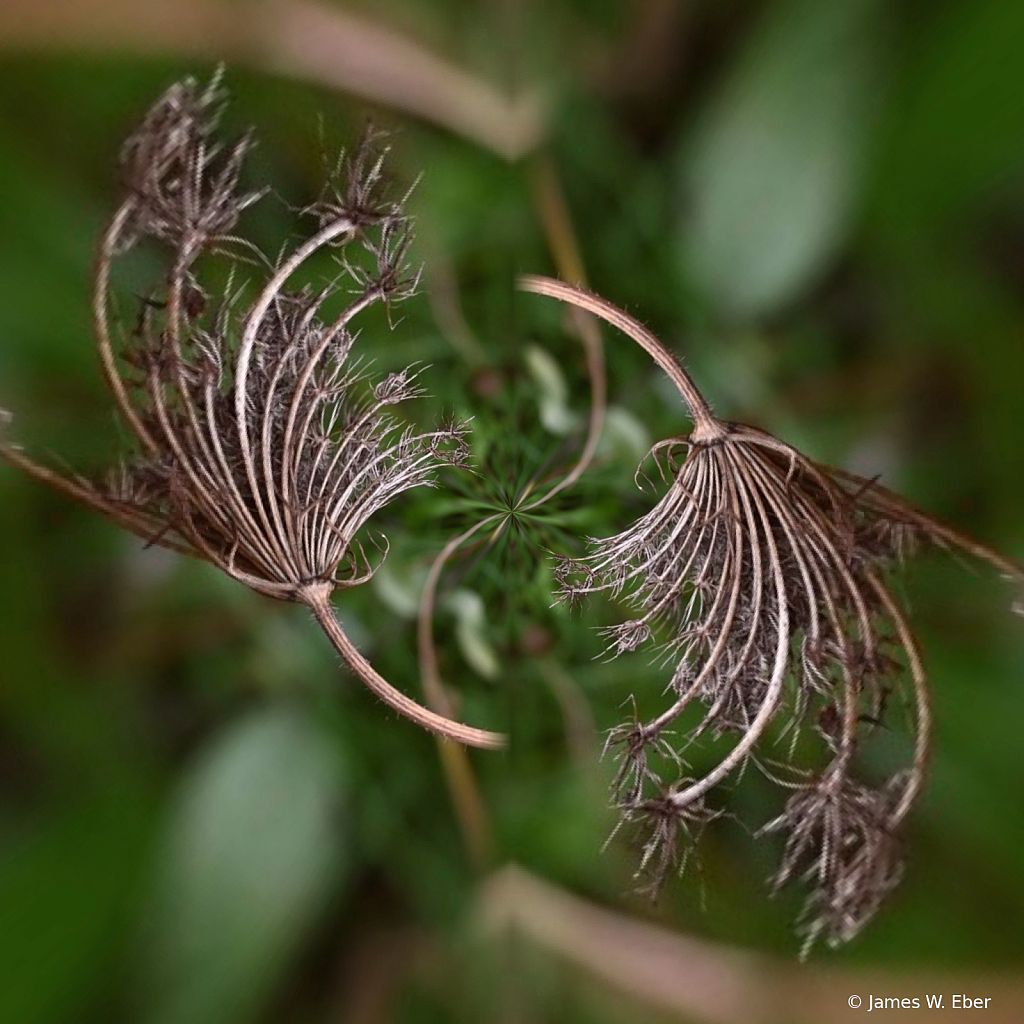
<point x="819" y="206"/>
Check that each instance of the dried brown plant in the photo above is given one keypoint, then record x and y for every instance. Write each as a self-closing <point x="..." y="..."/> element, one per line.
<point x="767" y="574"/>
<point x="260" y="447"/>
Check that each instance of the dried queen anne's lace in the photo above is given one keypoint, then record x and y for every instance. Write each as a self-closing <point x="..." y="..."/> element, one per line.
<point x="260" y="448"/>
<point x="766" y="572"/>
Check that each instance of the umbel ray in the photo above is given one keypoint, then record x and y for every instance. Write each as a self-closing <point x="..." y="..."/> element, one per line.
<point x="768" y="574"/>
<point x="259" y="446"/>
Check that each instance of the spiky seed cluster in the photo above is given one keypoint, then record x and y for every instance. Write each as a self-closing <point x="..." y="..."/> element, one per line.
<point x="261" y="449"/>
<point x="766" y="573"/>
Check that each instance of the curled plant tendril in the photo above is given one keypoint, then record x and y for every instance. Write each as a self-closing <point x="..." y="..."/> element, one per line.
<point x="260" y="448"/>
<point x="768" y="573"/>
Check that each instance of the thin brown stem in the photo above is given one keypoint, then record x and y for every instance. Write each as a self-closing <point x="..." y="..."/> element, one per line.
<point x="556" y="221"/>
<point x="101" y="287"/>
<point x="270" y="291"/>
<point x="442" y="288"/>
<point x="143" y="526"/>
<point x="591" y="338"/>
<point x="470" y="809"/>
<point x="580" y="730"/>
<point x="706" y="426"/>
<point x="733" y="561"/>
<point x="292" y="447"/>
<point x="749" y="493"/>
<point x="430" y="678"/>
<point x="316" y="597"/>
<point x="896" y="507"/>
<point x="923" y="743"/>
<point x="554" y="215"/>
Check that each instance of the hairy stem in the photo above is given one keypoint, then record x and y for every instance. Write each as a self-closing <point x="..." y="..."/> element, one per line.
<point x="316" y="597"/>
<point x="923" y="744"/>
<point x="706" y="427"/>
<point x="101" y="287"/>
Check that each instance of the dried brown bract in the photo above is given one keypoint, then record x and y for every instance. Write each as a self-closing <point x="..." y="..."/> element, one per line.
<point x="767" y="572"/>
<point x="260" y="447"/>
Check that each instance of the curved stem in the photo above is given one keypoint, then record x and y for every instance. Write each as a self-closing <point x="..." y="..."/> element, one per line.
<point x="430" y="678"/>
<point x="888" y="502"/>
<point x="561" y="239"/>
<point x="287" y="450"/>
<point x="591" y="338"/>
<point x="924" y="720"/>
<point x="148" y="528"/>
<point x="101" y="325"/>
<point x="706" y="427"/>
<point x="732" y="562"/>
<point x="266" y="446"/>
<point x="466" y="797"/>
<point x="252" y="325"/>
<point x="317" y="598"/>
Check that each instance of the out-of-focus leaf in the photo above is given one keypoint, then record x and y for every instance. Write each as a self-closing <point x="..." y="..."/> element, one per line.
<point x="470" y="632"/>
<point x="958" y="124"/>
<point x="772" y="175"/>
<point x="252" y="852"/>
<point x="623" y="436"/>
<point x="399" y="587"/>
<point x="553" y="395"/>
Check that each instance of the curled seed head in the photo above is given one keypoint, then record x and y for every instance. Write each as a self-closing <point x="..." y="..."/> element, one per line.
<point x="767" y="574"/>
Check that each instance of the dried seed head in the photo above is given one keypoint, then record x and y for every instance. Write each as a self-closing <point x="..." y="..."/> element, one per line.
<point x="766" y="574"/>
<point x="670" y="834"/>
<point x="185" y="184"/>
<point x="262" y="452"/>
<point x="260" y="447"/>
<point x="839" y="838"/>
<point x="628" y="636"/>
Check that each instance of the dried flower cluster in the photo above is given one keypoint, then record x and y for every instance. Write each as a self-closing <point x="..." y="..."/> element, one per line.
<point x="260" y="447"/>
<point x="765" y="574"/>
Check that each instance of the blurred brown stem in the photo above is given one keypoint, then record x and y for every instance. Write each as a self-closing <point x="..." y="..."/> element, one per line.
<point x="561" y="239"/>
<point x="706" y="981"/>
<point x="469" y="805"/>
<point x="298" y="38"/>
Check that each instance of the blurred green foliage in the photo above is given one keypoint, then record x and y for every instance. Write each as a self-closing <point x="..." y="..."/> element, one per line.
<point x="819" y="206"/>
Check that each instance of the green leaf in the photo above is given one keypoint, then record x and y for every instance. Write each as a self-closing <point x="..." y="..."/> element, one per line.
<point x="773" y="173"/>
<point x="252" y="852"/>
<point x="552" y="392"/>
<point x="471" y="633"/>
